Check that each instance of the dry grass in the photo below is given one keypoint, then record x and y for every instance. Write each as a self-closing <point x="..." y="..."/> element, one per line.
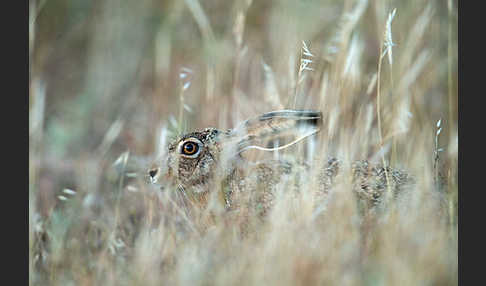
<point x="111" y="82"/>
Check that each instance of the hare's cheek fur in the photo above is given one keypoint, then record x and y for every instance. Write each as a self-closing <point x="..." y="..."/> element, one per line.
<point x="196" y="172"/>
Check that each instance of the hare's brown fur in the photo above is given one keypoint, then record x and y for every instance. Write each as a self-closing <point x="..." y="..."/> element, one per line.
<point x="217" y="154"/>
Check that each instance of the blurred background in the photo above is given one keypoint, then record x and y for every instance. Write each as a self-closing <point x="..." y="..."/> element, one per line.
<point x="107" y="77"/>
<point x="94" y="63"/>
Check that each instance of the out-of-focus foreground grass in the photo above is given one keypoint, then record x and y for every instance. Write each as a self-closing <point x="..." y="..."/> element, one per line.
<point x="110" y="79"/>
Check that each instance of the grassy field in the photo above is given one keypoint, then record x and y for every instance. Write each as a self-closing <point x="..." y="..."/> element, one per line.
<point x="111" y="82"/>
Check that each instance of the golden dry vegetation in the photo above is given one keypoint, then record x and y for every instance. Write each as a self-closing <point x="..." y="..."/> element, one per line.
<point x="111" y="82"/>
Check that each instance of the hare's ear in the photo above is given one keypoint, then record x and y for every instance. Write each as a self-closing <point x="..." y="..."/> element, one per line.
<point x="289" y="124"/>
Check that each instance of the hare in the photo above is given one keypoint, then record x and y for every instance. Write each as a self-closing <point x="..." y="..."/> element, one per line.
<point x="199" y="161"/>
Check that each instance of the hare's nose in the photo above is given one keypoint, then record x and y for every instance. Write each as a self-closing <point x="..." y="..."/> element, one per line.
<point x="153" y="172"/>
<point x="153" y="175"/>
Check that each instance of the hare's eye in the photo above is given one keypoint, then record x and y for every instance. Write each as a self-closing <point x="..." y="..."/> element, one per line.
<point x="189" y="148"/>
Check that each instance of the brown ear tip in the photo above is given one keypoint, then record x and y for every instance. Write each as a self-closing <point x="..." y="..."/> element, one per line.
<point x="292" y="113"/>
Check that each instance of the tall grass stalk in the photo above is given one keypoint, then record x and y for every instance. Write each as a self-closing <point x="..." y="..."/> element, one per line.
<point x="387" y="43"/>
<point x="209" y="39"/>
<point x="452" y="104"/>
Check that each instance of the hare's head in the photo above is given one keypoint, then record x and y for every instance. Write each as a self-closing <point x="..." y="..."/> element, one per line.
<point x="195" y="157"/>
<point x="192" y="158"/>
